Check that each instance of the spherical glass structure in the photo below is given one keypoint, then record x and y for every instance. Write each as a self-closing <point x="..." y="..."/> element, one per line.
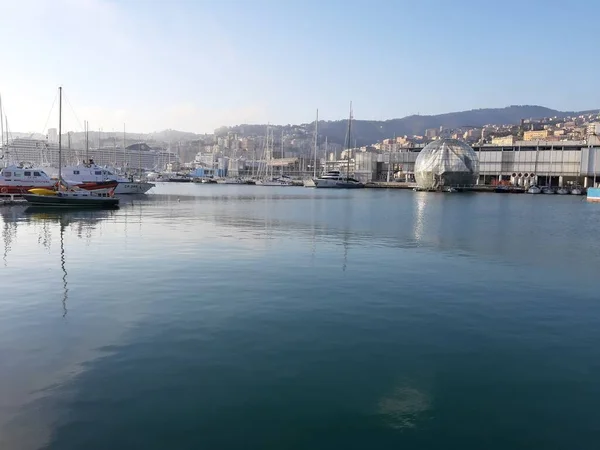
<point x="446" y="163"/>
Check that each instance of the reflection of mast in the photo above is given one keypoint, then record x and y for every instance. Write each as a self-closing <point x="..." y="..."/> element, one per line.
<point x="345" y="243"/>
<point x="64" y="269"/>
<point x="7" y="237"/>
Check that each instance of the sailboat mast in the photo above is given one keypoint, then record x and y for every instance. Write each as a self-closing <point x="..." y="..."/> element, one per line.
<point x="1" y="127"/>
<point x="87" y="145"/>
<point x="124" y="151"/>
<point x="59" y="134"/>
<point x="316" y="143"/>
<point x="349" y="140"/>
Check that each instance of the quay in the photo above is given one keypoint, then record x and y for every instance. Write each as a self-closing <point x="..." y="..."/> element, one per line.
<point x="546" y="163"/>
<point x="11" y="199"/>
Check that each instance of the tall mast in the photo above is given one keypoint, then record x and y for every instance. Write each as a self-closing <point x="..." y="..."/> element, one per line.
<point x="390" y="158"/>
<point x="124" y="151"/>
<point x="281" y="167"/>
<point x="316" y="143"/>
<point x="1" y="127"/>
<point x="87" y="145"/>
<point x="349" y="140"/>
<point x="60" y="134"/>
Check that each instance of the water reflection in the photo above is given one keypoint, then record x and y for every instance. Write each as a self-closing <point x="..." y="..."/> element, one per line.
<point x="63" y="267"/>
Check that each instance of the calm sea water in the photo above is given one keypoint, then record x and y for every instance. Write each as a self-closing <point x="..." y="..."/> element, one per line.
<point x="227" y="317"/>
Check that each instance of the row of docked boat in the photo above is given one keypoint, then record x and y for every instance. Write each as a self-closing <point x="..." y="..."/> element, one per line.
<point x="550" y="190"/>
<point x="330" y="179"/>
<point x="19" y="179"/>
<point x="85" y="185"/>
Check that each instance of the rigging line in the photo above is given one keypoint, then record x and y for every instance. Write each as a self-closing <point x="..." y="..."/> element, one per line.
<point x="72" y="109"/>
<point x="50" y="113"/>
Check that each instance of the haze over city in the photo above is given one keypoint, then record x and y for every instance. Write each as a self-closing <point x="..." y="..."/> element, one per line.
<point x="195" y="66"/>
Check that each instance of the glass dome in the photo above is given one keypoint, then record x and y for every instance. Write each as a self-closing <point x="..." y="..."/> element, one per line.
<point x="445" y="163"/>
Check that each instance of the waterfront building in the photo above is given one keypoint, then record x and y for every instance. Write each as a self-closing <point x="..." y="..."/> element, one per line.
<point x="525" y="162"/>
<point x="44" y="153"/>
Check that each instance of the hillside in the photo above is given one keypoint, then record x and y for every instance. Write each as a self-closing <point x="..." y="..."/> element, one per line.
<point x="370" y="131"/>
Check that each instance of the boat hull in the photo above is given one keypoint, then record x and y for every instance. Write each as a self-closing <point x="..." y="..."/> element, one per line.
<point x="338" y="184"/>
<point x="57" y="201"/>
<point x="6" y="189"/>
<point x="95" y="185"/>
<point x="133" y="188"/>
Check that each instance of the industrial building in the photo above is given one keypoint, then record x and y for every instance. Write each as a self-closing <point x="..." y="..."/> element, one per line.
<point x="524" y="163"/>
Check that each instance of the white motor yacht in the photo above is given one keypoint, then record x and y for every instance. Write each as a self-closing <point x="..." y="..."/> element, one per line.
<point x="335" y="179"/>
<point x="90" y="172"/>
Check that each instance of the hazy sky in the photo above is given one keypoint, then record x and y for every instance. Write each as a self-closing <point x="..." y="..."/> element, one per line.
<point x="195" y="65"/>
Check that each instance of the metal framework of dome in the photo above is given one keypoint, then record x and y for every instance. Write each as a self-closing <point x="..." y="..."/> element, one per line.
<point x="446" y="163"/>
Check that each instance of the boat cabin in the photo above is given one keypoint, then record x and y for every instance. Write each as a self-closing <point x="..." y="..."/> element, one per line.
<point x="15" y="173"/>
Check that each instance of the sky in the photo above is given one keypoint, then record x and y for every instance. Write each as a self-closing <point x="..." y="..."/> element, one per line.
<point x="195" y="65"/>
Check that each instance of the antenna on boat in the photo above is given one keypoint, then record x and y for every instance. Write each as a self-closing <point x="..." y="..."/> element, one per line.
<point x="60" y="134"/>
<point x="1" y="128"/>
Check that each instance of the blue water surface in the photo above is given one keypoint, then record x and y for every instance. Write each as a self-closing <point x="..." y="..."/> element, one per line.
<point x="227" y="317"/>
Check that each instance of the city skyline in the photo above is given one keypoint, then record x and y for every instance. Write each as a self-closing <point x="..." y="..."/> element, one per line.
<point x="195" y="66"/>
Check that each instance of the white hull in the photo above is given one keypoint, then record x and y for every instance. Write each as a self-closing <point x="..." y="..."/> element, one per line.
<point x="534" y="190"/>
<point x="310" y="183"/>
<point x="231" y="181"/>
<point x="133" y="187"/>
<point x="576" y="191"/>
<point x="273" y="183"/>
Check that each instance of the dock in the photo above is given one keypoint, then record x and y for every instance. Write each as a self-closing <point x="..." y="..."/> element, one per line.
<point x="11" y="199"/>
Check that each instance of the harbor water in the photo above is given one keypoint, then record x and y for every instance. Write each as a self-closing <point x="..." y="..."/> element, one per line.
<point x="227" y="317"/>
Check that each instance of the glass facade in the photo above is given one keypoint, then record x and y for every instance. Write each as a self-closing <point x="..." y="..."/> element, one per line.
<point x="446" y="163"/>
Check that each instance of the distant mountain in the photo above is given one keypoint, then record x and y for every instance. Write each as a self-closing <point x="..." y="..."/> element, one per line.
<point x="371" y="131"/>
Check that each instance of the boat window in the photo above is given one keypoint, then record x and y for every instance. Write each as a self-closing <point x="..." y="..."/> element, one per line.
<point x="76" y="172"/>
<point x="7" y="174"/>
<point x="27" y="174"/>
<point x="36" y="174"/>
<point x="98" y="172"/>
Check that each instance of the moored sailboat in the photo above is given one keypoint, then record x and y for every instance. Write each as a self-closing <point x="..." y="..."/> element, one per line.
<point x="334" y="179"/>
<point x="67" y="196"/>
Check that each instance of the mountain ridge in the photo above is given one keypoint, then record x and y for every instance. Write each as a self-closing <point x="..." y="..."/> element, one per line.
<point x="368" y="131"/>
<point x="371" y="131"/>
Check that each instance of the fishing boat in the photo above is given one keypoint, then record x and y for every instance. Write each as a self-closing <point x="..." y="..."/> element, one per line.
<point x="64" y="195"/>
<point x="334" y="179"/>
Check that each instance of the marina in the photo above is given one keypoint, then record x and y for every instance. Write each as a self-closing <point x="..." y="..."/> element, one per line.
<point x="396" y="265"/>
